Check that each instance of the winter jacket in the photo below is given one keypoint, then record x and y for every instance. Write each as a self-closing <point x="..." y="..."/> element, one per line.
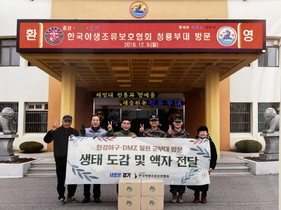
<point x="60" y="137"/>
<point x="120" y="133"/>
<point x="90" y="132"/>
<point x="213" y="151"/>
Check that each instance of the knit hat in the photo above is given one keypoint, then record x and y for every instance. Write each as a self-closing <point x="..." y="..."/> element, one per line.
<point x="202" y="128"/>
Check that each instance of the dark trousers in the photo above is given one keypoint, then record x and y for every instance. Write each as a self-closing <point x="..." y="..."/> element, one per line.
<point x="199" y="188"/>
<point x="177" y="188"/>
<point x="61" y="172"/>
<point x="96" y="190"/>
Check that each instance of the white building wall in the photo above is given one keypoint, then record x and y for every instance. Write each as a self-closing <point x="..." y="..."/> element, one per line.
<point x="22" y="84"/>
<point x="256" y="84"/>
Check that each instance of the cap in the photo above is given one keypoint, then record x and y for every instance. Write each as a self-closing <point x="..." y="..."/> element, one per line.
<point x="177" y="119"/>
<point x="154" y="117"/>
<point x="202" y="128"/>
<point x="67" y="117"/>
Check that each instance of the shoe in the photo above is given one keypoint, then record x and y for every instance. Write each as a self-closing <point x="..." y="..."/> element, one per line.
<point x="204" y="199"/>
<point x="174" y="198"/>
<point x="61" y="201"/>
<point x="97" y="200"/>
<point x="85" y="200"/>
<point x="180" y="199"/>
<point x="196" y="200"/>
<point x="72" y="200"/>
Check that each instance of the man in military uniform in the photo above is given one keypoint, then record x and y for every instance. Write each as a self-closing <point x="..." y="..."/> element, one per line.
<point x="154" y="130"/>
<point x="177" y="190"/>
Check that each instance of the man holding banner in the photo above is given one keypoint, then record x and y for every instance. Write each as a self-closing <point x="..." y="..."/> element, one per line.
<point x="94" y="131"/>
<point x="154" y="130"/>
<point x="60" y="136"/>
<point x="177" y="190"/>
<point x="125" y="129"/>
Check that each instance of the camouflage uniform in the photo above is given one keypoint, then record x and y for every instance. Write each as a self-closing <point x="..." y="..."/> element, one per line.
<point x="149" y="132"/>
<point x="178" y="134"/>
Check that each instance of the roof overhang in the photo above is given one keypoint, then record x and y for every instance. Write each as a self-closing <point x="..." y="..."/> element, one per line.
<point x="139" y="55"/>
<point x="145" y="72"/>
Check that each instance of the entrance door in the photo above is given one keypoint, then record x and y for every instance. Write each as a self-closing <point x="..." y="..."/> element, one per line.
<point x="138" y="117"/>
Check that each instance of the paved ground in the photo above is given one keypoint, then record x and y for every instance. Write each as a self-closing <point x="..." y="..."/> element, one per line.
<point x="226" y="192"/>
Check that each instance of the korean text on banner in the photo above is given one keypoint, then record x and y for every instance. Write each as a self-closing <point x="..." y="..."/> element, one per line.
<point x="104" y="160"/>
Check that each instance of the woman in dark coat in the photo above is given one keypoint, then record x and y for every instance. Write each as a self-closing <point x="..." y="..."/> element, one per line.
<point x="202" y="134"/>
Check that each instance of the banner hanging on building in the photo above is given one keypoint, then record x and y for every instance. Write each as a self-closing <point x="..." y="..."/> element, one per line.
<point x="141" y="36"/>
<point x="104" y="160"/>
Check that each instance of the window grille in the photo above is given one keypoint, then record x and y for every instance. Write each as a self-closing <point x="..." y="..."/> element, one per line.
<point x="240" y="117"/>
<point x="36" y="119"/>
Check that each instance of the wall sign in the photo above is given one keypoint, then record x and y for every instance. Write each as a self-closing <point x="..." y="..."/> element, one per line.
<point x="152" y="103"/>
<point x="125" y="94"/>
<point x="136" y="36"/>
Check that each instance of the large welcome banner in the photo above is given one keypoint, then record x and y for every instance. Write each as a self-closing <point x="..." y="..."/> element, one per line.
<point x="104" y="160"/>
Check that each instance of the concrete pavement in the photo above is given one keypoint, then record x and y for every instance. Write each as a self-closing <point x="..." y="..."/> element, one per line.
<point x="249" y="192"/>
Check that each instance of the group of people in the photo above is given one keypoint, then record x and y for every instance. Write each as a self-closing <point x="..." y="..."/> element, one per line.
<point x="60" y="136"/>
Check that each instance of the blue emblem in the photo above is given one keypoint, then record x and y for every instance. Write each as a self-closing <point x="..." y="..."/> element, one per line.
<point x="226" y="36"/>
<point x="138" y="9"/>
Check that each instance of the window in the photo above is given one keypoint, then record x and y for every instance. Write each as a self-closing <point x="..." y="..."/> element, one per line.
<point x="15" y="107"/>
<point x="240" y="117"/>
<point x="271" y="57"/>
<point x="8" y="54"/>
<point x="261" y="108"/>
<point x="36" y="118"/>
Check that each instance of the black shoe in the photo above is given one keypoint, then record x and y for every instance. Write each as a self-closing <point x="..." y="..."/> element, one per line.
<point x="85" y="200"/>
<point x="97" y="200"/>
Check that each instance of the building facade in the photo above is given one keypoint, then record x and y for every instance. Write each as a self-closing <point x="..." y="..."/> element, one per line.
<point x="37" y="97"/>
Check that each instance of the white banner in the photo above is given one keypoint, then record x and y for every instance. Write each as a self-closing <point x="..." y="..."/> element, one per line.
<point x="104" y="160"/>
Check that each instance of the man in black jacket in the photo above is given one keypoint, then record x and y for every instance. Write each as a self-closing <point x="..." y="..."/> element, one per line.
<point x="60" y="136"/>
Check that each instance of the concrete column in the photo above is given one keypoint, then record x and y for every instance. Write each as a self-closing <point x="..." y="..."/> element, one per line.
<point x="212" y="104"/>
<point x="68" y="91"/>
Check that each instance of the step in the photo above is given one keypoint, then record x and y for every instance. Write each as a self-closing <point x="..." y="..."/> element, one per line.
<point x="231" y="174"/>
<point x="41" y="175"/>
<point x="232" y="164"/>
<point x="43" y="164"/>
<point x="232" y="169"/>
<point x="41" y="170"/>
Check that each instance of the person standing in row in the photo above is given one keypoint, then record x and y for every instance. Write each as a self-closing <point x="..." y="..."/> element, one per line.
<point x="177" y="190"/>
<point x="124" y="132"/>
<point x="125" y="129"/>
<point x="60" y="136"/>
<point x="94" y="131"/>
<point x="154" y="130"/>
<point x="203" y="133"/>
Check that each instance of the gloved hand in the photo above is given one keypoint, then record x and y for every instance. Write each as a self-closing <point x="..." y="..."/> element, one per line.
<point x="82" y="130"/>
